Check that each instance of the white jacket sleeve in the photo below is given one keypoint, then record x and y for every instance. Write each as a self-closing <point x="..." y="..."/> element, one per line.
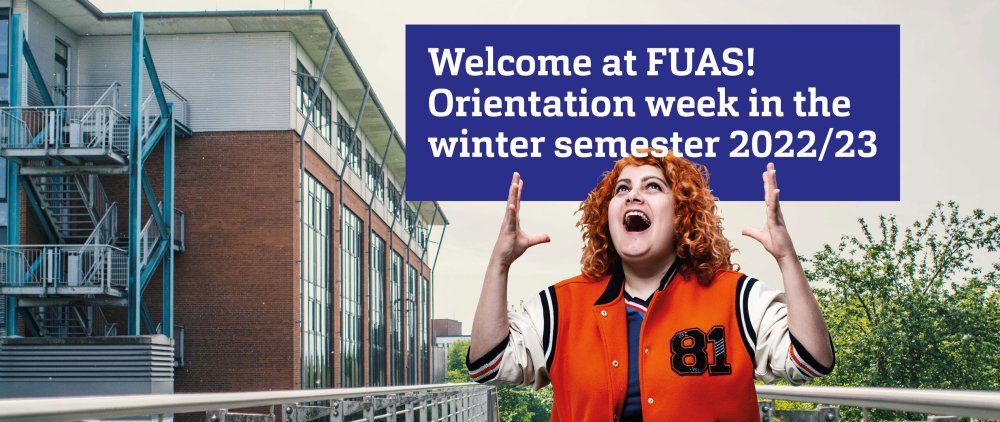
<point x="777" y="354"/>
<point x="521" y="358"/>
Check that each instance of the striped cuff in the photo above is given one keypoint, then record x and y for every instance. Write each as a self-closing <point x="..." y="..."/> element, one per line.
<point x="806" y="363"/>
<point x="487" y="367"/>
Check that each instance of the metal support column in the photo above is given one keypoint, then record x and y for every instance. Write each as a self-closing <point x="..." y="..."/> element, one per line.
<point x="135" y="178"/>
<point x="13" y="191"/>
<point x="168" y="219"/>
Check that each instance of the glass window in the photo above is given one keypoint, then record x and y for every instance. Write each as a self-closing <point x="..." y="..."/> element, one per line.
<point x="373" y="173"/>
<point x="351" y="295"/>
<point x="395" y="201"/>
<point x="61" y="74"/>
<point x="315" y="286"/>
<point x="4" y="60"/>
<point x="321" y="117"/>
<point x="425" y="328"/>
<point x="344" y="131"/>
<point x="411" y="220"/>
<point x="376" y="348"/>
<point x="396" y="283"/>
<point x="411" y="322"/>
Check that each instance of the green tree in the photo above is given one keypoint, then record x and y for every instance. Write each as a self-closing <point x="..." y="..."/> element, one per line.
<point x="520" y="404"/>
<point x="914" y="308"/>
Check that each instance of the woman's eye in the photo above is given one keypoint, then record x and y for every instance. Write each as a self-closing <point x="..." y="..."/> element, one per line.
<point x="654" y="186"/>
<point x="621" y="189"/>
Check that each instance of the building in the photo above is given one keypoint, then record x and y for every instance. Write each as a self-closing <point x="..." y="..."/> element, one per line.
<point x="200" y="113"/>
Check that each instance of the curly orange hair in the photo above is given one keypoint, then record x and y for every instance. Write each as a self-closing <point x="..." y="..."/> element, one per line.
<point x="699" y="244"/>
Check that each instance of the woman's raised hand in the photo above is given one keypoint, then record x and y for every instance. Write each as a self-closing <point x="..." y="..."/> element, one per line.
<point x="774" y="236"/>
<point x="512" y="241"/>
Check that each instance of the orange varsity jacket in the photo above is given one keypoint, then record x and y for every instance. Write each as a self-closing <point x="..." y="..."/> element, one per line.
<point x="700" y="348"/>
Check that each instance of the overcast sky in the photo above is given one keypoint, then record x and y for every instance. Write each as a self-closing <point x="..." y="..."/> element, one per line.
<point x="949" y="124"/>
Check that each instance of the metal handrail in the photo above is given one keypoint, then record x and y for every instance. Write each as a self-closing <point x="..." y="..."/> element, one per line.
<point x="104" y="232"/>
<point x="50" y="266"/>
<point x="969" y="403"/>
<point x="99" y="407"/>
<point x="82" y="94"/>
<point x="181" y="104"/>
<point x="149" y="237"/>
<point x="64" y="127"/>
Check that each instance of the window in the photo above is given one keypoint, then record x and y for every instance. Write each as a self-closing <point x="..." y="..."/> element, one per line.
<point x="422" y="235"/>
<point x="396" y="283"/>
<point x="4" y="59"/>
<point x="373" y="171"/>
<point x="351" y="295"/>
<point x="61" y="81"/>
<point x="344" y="131"/>
<point x="411" y="220"/>
<point x="395" y="201"/>
<point x="315" y="286"/>
<point x="411" y="322"/>
<point x="376" y="349"/>
<point x="321" y="117"/>
<point x="425" y="327"/>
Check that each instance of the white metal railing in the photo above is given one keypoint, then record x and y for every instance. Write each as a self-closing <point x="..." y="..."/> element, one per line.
<point x="64" y="127"/>
<point x="151" y="113"/>
<point x="87" y="94"/>
<point x="977" y="404"/>
<point x="181" y="105"/>
<point x="106" y="230"/>
<point x="149" y="238"/>
<point x="439" y="402"/>
<point x="178" y="229"/>
<point x="63" y="266"/>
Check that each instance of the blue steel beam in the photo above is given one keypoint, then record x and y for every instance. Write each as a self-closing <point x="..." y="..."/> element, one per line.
<point x="168" y="207"/>
<point x="135" y="174"/>
<point x="36" y="75"/>
<point x="147" y="319"/>
<point x="154" y="138"/>
<point x="147" y="190"/>
<point x="154" y="261"/>
<point x="29" y="323"/>
<point x="154" y="78"/>
<point x="42" y="218"/>
<point x="16" y="38"/>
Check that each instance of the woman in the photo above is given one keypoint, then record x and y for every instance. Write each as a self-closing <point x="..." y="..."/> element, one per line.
<point x="658" y="326"/>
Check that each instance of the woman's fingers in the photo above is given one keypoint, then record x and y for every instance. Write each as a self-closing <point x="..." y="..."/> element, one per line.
<point x="757" y="235"/>
<point x="532" y="240"/>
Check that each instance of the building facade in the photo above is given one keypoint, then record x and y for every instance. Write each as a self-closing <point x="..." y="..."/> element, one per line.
<point x="295" y="259"/>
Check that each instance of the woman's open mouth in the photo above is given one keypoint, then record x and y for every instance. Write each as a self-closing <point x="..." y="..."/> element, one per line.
<point x="636" y="221"/>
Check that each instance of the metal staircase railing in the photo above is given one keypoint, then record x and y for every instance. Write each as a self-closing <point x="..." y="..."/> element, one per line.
<point x="75" y="204"/>
<point x="59" y="268"/>
<point x="97" y="126"/>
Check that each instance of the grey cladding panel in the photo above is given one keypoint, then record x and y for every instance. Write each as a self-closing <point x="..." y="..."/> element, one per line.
<point x="233" y="82"/>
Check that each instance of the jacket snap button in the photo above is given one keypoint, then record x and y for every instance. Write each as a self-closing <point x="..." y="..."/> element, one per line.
<point x="646" y="351"/>
<point x="614" y="363"/>
<point x="649" y="400"/>
<point x="604" y="313"/>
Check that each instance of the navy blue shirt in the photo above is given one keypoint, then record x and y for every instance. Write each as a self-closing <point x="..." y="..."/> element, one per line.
<point x="635" y="312"/>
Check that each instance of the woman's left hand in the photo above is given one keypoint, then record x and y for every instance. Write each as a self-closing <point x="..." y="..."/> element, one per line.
<point x="774" y="236"/>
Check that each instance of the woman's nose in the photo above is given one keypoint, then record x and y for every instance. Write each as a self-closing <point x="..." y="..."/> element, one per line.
<point x="633" y="197"/>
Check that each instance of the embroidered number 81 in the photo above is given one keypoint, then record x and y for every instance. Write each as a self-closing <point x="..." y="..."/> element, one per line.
<point x="689" y="351"/>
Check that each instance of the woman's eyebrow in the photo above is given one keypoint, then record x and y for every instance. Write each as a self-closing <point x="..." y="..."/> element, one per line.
<point x="654" y="177"/>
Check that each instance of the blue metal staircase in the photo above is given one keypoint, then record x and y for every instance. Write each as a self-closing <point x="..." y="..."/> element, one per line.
<point x="58" y="154"/>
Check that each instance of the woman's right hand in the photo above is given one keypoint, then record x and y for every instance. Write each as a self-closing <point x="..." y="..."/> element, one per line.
<point x="512" y="241"/>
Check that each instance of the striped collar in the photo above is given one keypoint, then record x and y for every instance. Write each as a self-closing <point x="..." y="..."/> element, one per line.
<point x="616" y="284"/>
